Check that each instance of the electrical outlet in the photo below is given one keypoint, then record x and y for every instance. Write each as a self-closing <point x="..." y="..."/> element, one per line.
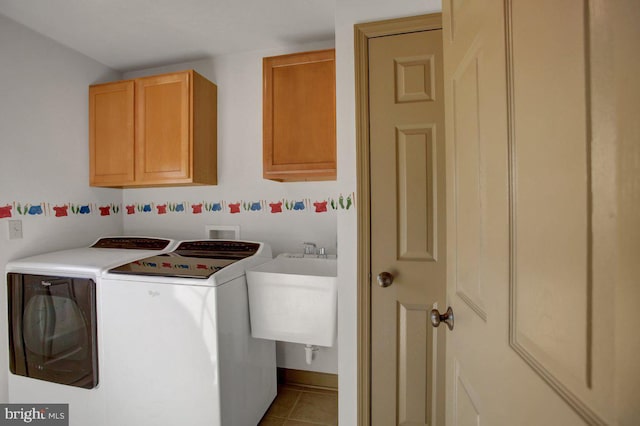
<point x="15" y="229"/>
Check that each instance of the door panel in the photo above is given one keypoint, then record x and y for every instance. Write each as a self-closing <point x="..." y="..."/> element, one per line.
<point x="414" y="363"/>
<point x="470" y="184"/>
<point x="407" y="226"/>
<point x="466" y="402"/>
<point x="527" y="221"/>
<point x="550" y="181"/>
<point x="415" y="157"/>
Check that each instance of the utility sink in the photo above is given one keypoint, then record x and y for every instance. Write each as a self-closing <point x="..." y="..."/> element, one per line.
<point x="294" y="298"/>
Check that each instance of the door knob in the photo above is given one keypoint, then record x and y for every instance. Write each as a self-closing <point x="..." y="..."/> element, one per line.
<point x="385" y="279"/>
<point x="437" y="318"/>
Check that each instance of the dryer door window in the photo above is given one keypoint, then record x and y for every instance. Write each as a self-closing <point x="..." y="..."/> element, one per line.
<point x="52" y="329"/>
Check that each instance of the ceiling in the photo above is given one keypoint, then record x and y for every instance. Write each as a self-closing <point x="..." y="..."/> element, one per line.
<point x="134" y="34"/>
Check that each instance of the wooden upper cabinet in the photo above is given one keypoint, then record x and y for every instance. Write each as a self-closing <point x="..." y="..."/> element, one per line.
<point x="299" y="116"/>
<point x="154" y="131"/>
<point x="111" y="134"/>
<point x="163" y="128"/>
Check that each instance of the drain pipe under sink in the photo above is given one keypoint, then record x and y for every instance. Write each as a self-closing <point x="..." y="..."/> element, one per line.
<point x="309" y="351"/>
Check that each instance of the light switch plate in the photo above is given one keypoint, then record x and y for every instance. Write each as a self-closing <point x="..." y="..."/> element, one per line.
<point x="15" y="229"/>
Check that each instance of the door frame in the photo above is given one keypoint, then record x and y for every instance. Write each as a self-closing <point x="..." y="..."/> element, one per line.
<point x="362" y="34"/>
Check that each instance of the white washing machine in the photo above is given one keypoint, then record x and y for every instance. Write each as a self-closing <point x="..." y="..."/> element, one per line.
<point x="56" y="345"/>
<point x="177" y="343"/>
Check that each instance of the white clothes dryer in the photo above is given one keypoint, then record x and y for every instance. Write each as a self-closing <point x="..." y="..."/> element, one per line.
<point x="178" y="347"/>
<point x="56" y="346"/>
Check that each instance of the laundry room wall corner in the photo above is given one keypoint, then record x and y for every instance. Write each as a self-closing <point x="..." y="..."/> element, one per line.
<point x="44" y="165"/>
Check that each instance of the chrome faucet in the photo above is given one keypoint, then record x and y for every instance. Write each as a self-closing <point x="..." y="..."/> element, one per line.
<point x="309" y="248"/>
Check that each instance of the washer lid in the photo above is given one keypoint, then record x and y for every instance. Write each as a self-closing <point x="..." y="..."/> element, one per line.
<point x="192" y="259"/>
<point x="103" y="254"/>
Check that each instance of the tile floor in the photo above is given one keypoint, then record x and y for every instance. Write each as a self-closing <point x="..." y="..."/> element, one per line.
<point x="302" y="406"/>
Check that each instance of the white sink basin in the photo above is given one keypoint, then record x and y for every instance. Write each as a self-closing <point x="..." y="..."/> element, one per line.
<point x="301" y="264"/>
<point x="293" y="298"/>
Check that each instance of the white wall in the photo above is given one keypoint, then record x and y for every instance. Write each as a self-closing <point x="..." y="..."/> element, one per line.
<point x="348" y="13"/>
<point x="239" y="80"/>
<point x="44" y="161"/>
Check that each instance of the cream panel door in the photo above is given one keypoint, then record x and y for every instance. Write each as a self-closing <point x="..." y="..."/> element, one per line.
<point x="531" y="224"/>
<point x="407" y="227"/>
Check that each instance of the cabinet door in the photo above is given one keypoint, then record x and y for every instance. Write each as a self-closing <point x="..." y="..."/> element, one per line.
<point x="299" y="139"/>
<point x="163" y="130"/>
<point x="111" y="134"/>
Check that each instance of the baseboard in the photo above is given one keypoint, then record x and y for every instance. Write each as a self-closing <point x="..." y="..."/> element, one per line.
<point x="307" y="378"/>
